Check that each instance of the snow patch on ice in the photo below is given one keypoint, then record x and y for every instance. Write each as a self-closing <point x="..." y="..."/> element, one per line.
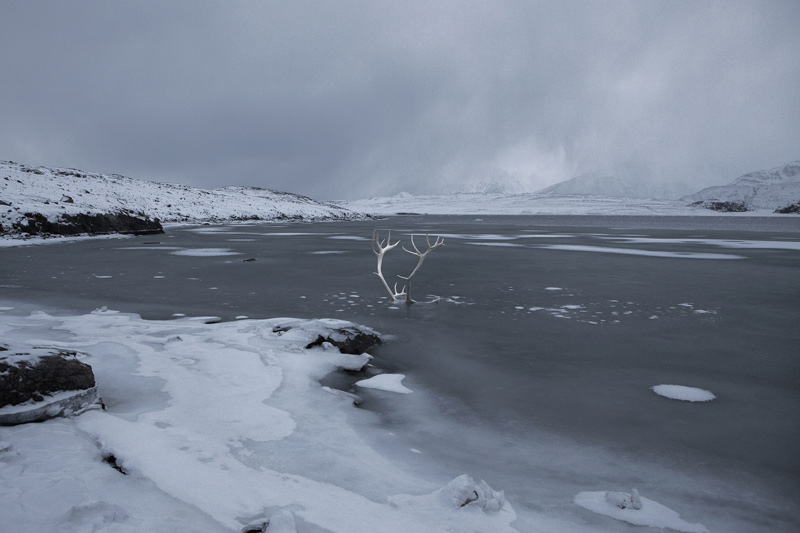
<point x="385" y="382"/>
<point x="683" y="393"/>
<point x="651" y="514"/>
<point x="634" y="251"/>
<point x="498" y="244"/>
<point x="205" y="252"/>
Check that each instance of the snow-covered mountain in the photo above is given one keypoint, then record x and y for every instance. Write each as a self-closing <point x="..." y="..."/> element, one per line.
<point x="58" y="194"/>
<point x="776" y="189"/>
<point x="627" y="180"/>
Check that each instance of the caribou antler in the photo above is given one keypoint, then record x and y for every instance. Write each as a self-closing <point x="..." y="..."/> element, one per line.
<point x="382" y="247"/>
<point x="422" y="255"/>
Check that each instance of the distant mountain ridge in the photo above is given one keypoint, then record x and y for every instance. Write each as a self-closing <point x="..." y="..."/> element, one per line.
<point x="776" y="189"/>
<point x="36" y="200"/>
<point x="626" y="180"/>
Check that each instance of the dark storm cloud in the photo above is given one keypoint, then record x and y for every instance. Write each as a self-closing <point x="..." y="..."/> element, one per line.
<point x="343" y="99"/>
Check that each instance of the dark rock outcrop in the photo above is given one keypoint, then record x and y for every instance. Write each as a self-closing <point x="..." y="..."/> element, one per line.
<point x="789" y="209"/>
<point x="348" y="340"/>
<point x="22" y="380"/>
<point x="723" y="207"/>
<point x="41" y="383"/>
<point x="93" y="224"/>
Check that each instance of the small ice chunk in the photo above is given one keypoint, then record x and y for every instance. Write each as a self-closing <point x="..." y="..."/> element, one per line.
<point x="553" y="289"/>
<point x="686" y="394"/>
<point x="463" y="492"/>
<point x="386" y="382"/>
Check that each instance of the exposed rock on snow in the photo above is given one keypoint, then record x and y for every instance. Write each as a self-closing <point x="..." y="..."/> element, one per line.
<point x="777" y="189"/>
<point x="348" y="337"/>
<point x="93" y="224"/>
<point x="793" y="208"/>
<point x="67" y="201"/>
<point x="30" y="374"/>
<point x="280" y="522"/>
<point x="37" y="384"/>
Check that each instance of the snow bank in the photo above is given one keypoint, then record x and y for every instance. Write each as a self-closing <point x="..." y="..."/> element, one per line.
<point x="208" y="428"/>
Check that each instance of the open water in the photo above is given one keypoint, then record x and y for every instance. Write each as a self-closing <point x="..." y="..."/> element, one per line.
<point x="534" y="369"/>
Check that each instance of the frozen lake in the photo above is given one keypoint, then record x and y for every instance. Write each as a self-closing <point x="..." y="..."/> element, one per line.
<point x="535" y="369"/>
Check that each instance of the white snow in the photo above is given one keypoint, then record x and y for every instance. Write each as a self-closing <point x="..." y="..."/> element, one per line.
<point x="498" y="244"/>
<point x="651" y="514"/>
<point x="45" y="190"/>
<point x="385" y="382"/>
<point x="205" y="252"/>
<point x="520" y="204"/>
<point x="634" y="251"/>
<point x="722" y="243"/>
<point x="216" y="426"/>
<point x="681" y="392"/>
<point x="771" y="189"/>
<point x="630" y="180"/>
<point x="626" y="191"/>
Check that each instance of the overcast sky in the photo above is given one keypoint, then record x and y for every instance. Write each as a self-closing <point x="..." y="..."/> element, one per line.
<point x="343" y="99"/>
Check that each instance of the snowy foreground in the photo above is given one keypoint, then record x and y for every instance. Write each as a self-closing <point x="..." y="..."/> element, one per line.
<point x="210" y="427"/>
<point x="216" y="426"/>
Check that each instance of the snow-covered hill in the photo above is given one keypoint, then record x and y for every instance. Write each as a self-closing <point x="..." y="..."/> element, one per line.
<point x="628" y="180"/>
<point x="56" y="193"/>
<point x="777" y="189"/>
<point x="520" y="204"/>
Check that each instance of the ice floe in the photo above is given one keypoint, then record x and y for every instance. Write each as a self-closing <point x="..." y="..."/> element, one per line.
<point x="204" y="252"/>
<point x="635" y="251"/>
<point x="683" y="393"/>
<point x="635" y="510"/>
<point x="385" y="382"/>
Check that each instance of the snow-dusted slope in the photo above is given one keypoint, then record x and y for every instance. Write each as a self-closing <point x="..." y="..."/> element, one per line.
<point x="774" y="189"/>
<point x="629" y="180"/>
<point x="519" y="204"/>
<point x="53" y="192"/>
